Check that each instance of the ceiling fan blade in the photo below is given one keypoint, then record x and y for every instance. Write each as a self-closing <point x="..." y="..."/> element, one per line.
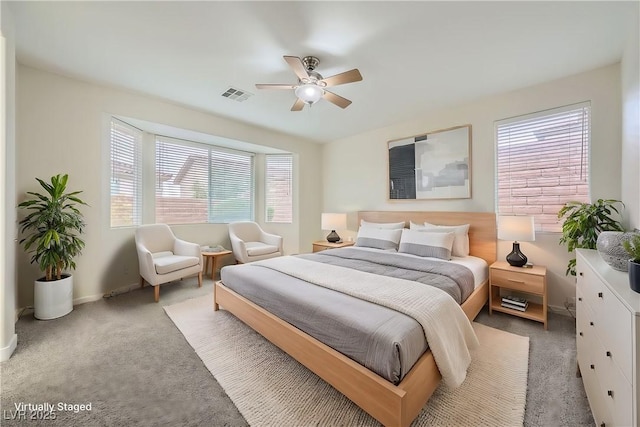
<point x="275" y="86"/>
<point x="336" y="99"/>
<point x="298" y="105"/>
<point x="296" y="65"/>
<point x="343" y="78"/>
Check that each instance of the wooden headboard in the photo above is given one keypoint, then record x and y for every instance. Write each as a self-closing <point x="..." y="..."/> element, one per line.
<point x="482" y="226"/>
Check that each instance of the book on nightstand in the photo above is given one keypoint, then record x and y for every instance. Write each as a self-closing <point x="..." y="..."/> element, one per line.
<point x="514" y="303"/>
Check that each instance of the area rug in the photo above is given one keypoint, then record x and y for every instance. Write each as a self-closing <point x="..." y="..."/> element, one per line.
<point x="272" y="389"/>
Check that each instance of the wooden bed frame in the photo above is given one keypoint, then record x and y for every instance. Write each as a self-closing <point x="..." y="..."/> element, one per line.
<point x="390" y="404"/>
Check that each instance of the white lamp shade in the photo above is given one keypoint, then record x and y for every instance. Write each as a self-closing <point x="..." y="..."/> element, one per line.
<point x="309" y="93"/>
<point x="334" y="221"/>
<point x="517" y="228"/>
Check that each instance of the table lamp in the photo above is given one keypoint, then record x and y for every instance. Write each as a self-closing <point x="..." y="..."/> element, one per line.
<point x="333" y="222"/>
<point x="516" y="228"/>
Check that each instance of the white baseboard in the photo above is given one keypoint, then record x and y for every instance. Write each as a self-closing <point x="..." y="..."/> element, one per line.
<point x="117" y="291"/>
<point x="6" y="352"/>
<point x="121" y="290"/>
<point x="558" y="309"/>
<point x="90" y="298"/>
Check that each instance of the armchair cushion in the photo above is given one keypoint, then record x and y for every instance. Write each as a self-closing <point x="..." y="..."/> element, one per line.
<point x="259" y="248"/>
<point x="168" y="262"/>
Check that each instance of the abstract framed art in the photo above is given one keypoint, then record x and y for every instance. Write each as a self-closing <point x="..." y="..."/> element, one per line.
<point x="434" y="165"/>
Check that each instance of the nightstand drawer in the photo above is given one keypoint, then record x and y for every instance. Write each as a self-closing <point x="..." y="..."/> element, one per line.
<point x="518" y="281"/>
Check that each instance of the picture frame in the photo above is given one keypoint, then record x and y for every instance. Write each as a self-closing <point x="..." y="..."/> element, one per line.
<point x="434" y="165"/>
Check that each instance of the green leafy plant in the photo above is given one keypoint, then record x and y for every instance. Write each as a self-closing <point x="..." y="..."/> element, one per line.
<point x="584" y="222"/>
<point x="632" y="246"/>
<point x="52" y="227"/>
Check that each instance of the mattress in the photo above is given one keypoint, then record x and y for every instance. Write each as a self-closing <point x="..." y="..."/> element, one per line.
<point x="383" y="340"/>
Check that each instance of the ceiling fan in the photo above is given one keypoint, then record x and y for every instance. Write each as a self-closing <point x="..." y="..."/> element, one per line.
<point x="311" y="86"/>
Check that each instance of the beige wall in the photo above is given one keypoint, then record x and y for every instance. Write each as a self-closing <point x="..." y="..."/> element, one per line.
<point x="360" y="162"/>
<point x="631" y="126"/>
<point x="8" y="337"/>
<point x="60" y="129"/>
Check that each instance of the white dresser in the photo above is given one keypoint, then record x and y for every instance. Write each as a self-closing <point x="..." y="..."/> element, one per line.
<point x="607" y="330"/>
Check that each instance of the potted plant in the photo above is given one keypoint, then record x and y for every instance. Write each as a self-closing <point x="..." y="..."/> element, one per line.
<point x="633" y="247"/>
<point x="51" y="232"/>
<point x="584" y="222"/>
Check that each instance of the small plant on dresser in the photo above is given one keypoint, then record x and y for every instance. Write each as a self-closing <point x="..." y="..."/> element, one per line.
<point x="632" y="246"/>
<point x="583" y="222"/>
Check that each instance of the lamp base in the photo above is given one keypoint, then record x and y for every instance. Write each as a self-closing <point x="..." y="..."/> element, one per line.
<point x="516" y="258"/>
<point x="333" y="237"/>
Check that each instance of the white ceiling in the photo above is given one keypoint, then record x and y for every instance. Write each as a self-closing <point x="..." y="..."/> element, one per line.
<point x="413" y="56"/>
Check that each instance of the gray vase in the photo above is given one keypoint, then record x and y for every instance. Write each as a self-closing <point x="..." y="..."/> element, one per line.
<point x="610" y="247"/>
<point x="634" y="276"/>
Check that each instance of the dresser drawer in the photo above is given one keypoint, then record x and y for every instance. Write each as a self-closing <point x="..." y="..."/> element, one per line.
<point x="586" y="336"/>
<point x="616" y="390"/>
<point x="591" y="288"/>
<point x="593" y="388"/>
<point x="611" y="320"/>
<point x="614" y="330"/>
<point x="518" y="281"/>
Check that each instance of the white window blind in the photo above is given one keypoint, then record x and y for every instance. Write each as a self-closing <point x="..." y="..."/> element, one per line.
<point x="542" y="163"/>
<point x="232" y="187"/>
<point x="198" y="183"/>
<point x="125" y="174"/>
<point x="278" y="183"/>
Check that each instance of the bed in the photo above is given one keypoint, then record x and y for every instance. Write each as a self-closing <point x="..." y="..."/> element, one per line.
<point x="391" y="404"/>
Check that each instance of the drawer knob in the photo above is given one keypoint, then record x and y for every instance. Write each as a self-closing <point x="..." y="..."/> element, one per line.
<point x="608" y="354"/>
<point x="591" y="323"/>
<point x="593" y="366"/>
<point x="581" y="334"/>
<point x="599" y="294"/>
<point x="610" y="393"/>
<point x="603" y="425"/>
<point x="581" y="273"/>
<point x="580" y="299"/>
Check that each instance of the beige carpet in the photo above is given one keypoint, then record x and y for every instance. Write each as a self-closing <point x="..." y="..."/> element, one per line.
<point x="271" y="389"/>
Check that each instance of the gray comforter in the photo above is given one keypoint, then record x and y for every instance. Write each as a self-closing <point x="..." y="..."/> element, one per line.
<point x="379" y="338"/>
<point x="454" y="279"/>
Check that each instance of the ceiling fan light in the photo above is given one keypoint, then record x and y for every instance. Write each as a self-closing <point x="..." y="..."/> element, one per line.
<point x="309" y="93"/>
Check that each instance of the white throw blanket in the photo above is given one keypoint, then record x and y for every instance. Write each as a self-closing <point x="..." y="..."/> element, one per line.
<point x="447" y="329"/>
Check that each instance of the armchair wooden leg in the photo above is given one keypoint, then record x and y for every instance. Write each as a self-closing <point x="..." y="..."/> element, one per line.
<point x="156" y="292"/>
<point x="141" y="282"/>
<point x="200" y="279"/>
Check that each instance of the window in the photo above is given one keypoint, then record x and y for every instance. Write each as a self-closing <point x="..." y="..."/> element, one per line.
<point x="125" y="174"/>
<point x="199" y="183"/>
<point x="278" y="188"/>
<point x="542" y="163"/>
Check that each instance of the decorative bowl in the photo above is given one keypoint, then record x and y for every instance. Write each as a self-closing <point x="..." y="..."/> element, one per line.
<point x="610" y="248"/>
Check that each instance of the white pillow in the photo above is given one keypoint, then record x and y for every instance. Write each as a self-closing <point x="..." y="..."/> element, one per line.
<point x="387" y="225"/>
<point x="427" y="244"/>
<point x="461" y="241"/>
<point x="414" y="226"/>
<point x="379" y="238"/>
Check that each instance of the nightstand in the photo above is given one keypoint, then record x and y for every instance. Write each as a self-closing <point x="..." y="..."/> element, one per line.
<point x="532" y="281"/>
<point x="323" y="245"/>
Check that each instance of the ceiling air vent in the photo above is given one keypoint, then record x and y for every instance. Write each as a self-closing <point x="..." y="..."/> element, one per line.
<point x="237" y="94"/>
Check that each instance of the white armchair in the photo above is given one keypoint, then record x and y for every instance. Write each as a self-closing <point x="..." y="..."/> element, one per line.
<point x="164" y="258"/>
<point x="250" y="243"/>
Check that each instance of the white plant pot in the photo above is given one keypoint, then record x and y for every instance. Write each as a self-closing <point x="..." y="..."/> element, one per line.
<point x="53" y="299"/>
